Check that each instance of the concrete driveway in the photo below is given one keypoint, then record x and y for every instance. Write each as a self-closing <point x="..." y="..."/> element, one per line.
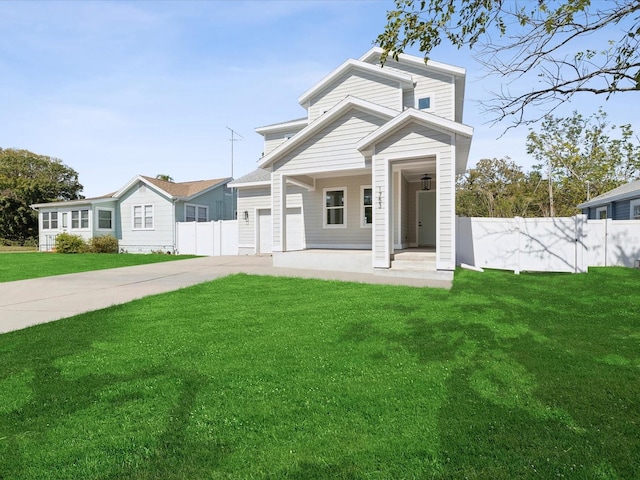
<point x="30" y="302"/>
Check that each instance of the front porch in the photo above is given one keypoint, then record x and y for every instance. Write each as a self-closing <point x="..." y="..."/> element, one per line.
<point x="407" y="263"/>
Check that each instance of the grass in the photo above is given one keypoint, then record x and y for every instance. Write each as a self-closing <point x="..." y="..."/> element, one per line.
<point x="22" y="266"/>
<point x="530" y="376"/>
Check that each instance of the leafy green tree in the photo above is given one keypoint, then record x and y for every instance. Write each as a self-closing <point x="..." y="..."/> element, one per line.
<point x="582" y="157"/>
<point x="165" y="177"/>
<point x="27" y="178"/>
<point x="542" y="51"/>
<point x="496" y="187"/>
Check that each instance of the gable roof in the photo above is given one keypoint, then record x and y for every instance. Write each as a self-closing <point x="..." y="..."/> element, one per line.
<point x="276" y="127"/>
<point x="175" y="190"/>
<point x="623" y="192"/>
<point x="259" y="176"/>
<point x="418" y="62"/>
<point x="463" y="133"/>
<point x="335" y="112"/>
<point x="403" y="78"/>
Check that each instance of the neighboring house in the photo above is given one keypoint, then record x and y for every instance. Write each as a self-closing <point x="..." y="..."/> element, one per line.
<point x="372" y="166"/>
<point x="622" y="203"/>
<point x="142" y="215"/>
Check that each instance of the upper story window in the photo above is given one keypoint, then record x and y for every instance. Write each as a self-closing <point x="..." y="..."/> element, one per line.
<point x="366" y="209"/>
<point x="143" y="217"/>
<point x="196" y="213"/>
<point x="79" y="219"/>
<point x="424" y="103"/>
<point x="335" y="207"/>
<point x="105" y="219"/>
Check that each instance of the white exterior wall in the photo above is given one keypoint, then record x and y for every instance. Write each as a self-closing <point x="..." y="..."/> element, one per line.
<point x="363" y="85"/>
<point x="440" y="87"/>
<point x="414" y="142"/>
<point x="162" y="236"/>
<point x="275" y="139"/>
<point x="250" y="199"/>
<point x="332" y="148"/>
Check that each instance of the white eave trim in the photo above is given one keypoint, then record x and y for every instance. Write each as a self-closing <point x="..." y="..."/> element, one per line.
<point x="419" y="62"/>
<point x="278" y="127"/>
<point x="136" y="179"/>
<point x="70" y="203"/>
<point x="344" y="105"/>
<point x="264" y="183"/>
<point x="404" y="79"/>
<point x="411" y="114"/>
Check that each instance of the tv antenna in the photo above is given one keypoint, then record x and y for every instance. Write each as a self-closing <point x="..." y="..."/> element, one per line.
<point x="234" y="134"/>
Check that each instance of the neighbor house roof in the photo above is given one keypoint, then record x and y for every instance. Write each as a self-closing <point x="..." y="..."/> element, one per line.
<point x="623" y="192"/>
<point x="181" y="190"/>
<point x="260" y="176"/>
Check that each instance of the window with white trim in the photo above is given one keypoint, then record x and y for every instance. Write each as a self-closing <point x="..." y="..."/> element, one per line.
<point x="50" y="220"/>
<point x="64" y="220"/>
<point x="366" y="206"/>
<point x="142" y="217"/>
<point x="105" y="219"/>
<point x="601" y="213"/>
<point x="634" y="209"/>
<point x="196" y="213"/>
<point x="79" y="219"/>
<point x="425" y="103"/>
<point x="335" y="207"/>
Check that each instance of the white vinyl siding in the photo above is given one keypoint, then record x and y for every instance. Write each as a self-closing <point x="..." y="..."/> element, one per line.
<point x="273" y="140"/>
<point x="249" y="200"/>
<point x="364" y="85"/>
<point x="333" y="147"/>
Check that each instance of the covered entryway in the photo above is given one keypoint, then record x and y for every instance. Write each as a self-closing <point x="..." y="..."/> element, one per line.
<point x="426" y="218"/>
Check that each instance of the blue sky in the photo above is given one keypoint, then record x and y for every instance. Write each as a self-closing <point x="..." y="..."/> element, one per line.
<point x="117" y="89"/>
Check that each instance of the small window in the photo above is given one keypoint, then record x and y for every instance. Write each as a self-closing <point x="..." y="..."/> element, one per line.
<point x="601" y="213"/>
<point x="64" y="219"/>
<point x="105" y="219"/>
<point x="335" y="201"/>
<point x="366" y="213"/>
<point x="196" y="213"/>
<point x="424" y="103"/>
<point x="634" y="213"/>
<point x="54" y="220"/>
<point x="45" y="221"/>
<point x="79" y="219"/>
<point x="143" y="217"/>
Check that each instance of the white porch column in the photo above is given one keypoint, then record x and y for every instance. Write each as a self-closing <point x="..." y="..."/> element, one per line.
<point x="382" y="217"/>
<point x="278" y="212"/>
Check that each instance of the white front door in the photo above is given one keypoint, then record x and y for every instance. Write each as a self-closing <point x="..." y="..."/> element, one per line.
<point x="426" y="219"/>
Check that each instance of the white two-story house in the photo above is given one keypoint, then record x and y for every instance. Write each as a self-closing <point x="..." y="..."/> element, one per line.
<point x="368" y="173"/>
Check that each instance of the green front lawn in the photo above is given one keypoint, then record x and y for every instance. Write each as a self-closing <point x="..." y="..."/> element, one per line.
<point x="504" y="376"/>
<point x="22" y="266"/>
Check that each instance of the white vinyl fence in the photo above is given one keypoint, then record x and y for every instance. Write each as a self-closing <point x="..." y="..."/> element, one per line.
<point x="569" y="244"/>
<point x="207" y="238"/>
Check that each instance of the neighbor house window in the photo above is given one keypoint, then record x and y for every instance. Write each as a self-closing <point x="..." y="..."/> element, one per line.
<point x="54" y="220"/>
<point x="634" y="213"/>
<point x="196" y="213"/>
<point x="50" y="220"/>
<point x="45" y="221"/>
<point x="105" y="219"/>
<point x="366" y="210"/>
<point x="79" y="219"/>
<point x="601" y="213"/>
<point x="335" y="203"/>
<point x="424" y="103"/>
<point x="64" y="219"/>
<point x="143" y="217"/>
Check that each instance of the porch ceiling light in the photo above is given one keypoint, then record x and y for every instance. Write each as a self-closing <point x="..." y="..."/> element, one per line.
<point x="426" y="182"/>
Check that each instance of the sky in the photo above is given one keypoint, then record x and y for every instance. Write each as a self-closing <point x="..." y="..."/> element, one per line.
<point x="117" y="89"/>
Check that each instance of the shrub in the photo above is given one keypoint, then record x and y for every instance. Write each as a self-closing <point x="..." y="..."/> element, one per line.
<point x="103" y="244"/>
<point x="67" y="243"/>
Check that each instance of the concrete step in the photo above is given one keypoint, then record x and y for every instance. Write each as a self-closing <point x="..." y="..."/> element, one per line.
<point x="428" y="265"/>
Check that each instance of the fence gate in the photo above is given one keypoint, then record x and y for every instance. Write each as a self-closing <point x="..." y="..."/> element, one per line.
<point x="210" y="239"/>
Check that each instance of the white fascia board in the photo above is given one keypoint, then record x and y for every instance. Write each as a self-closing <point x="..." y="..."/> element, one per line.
<point x="335" y="112"/>
<point x="136" y="179"/>
<point x="417" y="61"/>
<point x="413" y="115"/>
<point x="265" y="183"/>
<point x="71" y="203"/>
<point x="278" y="127"/>
<point x="403" y="78"/>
